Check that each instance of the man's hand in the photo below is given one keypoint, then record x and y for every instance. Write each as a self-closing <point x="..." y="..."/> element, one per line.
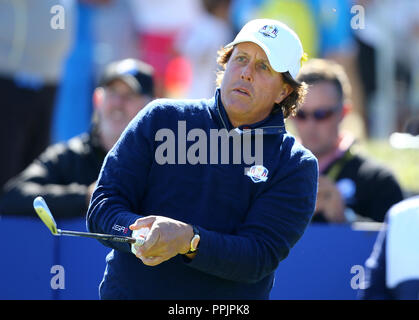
<point x="166" y="238"/>
<point x="329" y="201"/>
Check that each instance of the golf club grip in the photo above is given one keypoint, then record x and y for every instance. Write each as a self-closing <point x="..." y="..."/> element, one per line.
<point x="107" y="237"/>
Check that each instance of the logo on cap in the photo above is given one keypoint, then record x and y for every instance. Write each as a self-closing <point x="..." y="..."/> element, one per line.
<point x="258" y="174"/>
<point x="269" y="31"/>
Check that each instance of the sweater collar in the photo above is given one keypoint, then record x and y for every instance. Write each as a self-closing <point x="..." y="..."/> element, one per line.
<point x="272" y="124"/>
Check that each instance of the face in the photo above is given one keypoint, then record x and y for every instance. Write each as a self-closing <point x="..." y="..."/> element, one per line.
<point x="116" y="105"/>
<point x="250" y="87"/>
<point x="320" y="135"/>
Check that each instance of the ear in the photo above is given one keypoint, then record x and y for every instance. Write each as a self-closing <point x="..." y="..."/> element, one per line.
<point x="347" y="108"/>
<point x="98" y="97"/>
<point x="285" y="92"/>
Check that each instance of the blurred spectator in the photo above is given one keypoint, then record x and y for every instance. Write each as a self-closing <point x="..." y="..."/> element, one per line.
<point x="201" y="43"/>
<point x="105" y="33"/>
<point x="351" y="187"/>
<point x="388" y="63"/>
<point x="159" y="23"/>
<point x="34" y="39"/>
<point x="65" y="173"/>
<point x="392" y="270"/>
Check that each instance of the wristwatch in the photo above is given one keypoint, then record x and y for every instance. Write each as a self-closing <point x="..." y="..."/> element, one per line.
<point x="194" y="241"/>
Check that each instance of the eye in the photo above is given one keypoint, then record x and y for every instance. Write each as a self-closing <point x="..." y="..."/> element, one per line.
<point x="241" y="58"/>
<point x="263" y="66"/>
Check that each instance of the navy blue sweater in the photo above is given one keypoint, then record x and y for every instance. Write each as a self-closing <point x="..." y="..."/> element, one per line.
<point x="246" y="228"/>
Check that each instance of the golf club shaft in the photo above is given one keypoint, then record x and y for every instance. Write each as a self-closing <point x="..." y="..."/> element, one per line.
<point x="99" y="236"/>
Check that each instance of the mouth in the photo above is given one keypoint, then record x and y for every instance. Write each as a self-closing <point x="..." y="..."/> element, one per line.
<point x="242" y="91"/>
<point x="117" y="115"/>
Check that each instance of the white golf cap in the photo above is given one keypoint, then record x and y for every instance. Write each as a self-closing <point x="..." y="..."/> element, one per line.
<point x="280" y="43"/>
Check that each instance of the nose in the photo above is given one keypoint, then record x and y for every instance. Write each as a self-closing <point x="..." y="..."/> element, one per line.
<point x="247" y="73"/>
<point x="117" y="99"/>
<point x="117" y="102"/>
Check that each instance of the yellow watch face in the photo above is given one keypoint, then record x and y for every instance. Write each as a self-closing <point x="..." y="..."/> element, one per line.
<point x="194" y="242"/>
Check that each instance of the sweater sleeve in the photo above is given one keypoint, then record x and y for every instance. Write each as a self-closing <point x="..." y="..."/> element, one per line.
<point x="43" y="177"/>
<point x="275" y="222"/>
<point x="121" y="184"/>
<point x="375" y="274"/>
<point x="390" y="194"/>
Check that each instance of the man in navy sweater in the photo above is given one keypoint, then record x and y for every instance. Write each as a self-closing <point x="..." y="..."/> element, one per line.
<point x="221" y="216"/>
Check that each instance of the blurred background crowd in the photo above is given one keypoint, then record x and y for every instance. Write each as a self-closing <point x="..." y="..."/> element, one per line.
<point x="52" y="53"/>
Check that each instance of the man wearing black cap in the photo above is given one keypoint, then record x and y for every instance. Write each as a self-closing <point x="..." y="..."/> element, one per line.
<point x="65" y="173"/>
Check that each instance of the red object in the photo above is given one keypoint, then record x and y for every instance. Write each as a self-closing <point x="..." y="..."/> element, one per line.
<point x="178" y="75"/>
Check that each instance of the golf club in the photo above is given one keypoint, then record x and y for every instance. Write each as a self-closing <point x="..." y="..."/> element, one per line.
<point x="44" y="213"/>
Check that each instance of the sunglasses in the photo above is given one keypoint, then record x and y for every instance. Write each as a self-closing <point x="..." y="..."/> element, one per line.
<point x="112" y="93"/>
<point x="318" y="115"/>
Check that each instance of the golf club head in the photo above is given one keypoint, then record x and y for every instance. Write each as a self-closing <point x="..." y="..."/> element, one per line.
<point x="44" y="213"/>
